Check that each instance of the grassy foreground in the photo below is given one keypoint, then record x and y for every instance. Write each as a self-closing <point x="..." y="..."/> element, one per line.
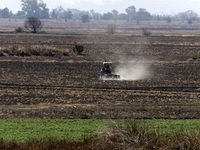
<point x="23" y="130"/>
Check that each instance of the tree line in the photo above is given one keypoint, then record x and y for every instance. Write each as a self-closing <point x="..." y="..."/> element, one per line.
<point x="38" y="9"/>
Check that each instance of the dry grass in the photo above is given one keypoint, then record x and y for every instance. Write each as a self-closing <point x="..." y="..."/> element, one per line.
<point x="134" y="136"/>
<point x="36" y="50"/>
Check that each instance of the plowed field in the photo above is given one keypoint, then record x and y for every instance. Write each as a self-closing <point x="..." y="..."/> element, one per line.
<point x="70" y="87"/>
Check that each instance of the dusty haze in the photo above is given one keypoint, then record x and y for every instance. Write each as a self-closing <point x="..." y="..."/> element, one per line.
<point x="133" y="71"/>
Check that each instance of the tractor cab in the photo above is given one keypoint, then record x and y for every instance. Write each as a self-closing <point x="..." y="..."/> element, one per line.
<point x="107" y="71"/>
<point x="107" y="67"/>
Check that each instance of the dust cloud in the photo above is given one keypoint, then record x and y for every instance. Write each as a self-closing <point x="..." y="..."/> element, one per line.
<point x="133" y="71"/>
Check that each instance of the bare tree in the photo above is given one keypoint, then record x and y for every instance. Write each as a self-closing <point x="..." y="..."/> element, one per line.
<point x="33" y="24"/>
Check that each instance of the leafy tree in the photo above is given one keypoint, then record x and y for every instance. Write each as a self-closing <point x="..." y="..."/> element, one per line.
<point x="123" y="16"/>
<point x="20" y="14"/>
<point x="31" y="8"/>
<point x="5" y="13"/>
<point x="54" y="14"/>
<point x="115" y="14"/>
<point x="34" y="9"/>
<point x="67" y="15"/>
<point x="131" y="12"/>
<point x="92" y="12"/>
<point x="85" y="18"/>
<point x="33" y="24"/>
<point x="44" y="12"/>
<point x="191" y="15"/>
<point x="107" y="16"/>
<point x="61" y="13"/>
<point x="142" y="14"/>
<point x="188" y="15"/>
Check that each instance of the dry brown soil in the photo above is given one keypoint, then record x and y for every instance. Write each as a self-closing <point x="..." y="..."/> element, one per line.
<point x="70" y="87"/>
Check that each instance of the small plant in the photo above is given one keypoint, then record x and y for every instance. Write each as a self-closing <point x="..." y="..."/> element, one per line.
<point x="19" y="30"/>
<point x="18" y="50"/>
<point x="50" y="53"/>
<point x="196" y="56"/>
<point x="146" y="32"/>
<point x="111" y="28"/>
<point x="160" y="57"/>
<point x="78" y="49"/>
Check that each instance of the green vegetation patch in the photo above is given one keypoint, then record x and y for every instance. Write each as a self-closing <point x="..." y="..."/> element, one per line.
<point x="23" y="130"/>
<point x="169" y="128"/>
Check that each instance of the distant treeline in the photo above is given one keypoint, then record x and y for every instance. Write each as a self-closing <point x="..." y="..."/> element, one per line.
<point x="33" y="8"/>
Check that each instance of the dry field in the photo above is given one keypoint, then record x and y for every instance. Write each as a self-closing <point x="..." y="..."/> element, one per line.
<point x="69" y="86"/>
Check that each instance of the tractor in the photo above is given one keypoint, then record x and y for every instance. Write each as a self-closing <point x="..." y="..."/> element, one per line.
<point x="107" y="72"/>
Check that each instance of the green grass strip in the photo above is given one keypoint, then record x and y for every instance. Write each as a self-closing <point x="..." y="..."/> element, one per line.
<point x="23" y="130"/>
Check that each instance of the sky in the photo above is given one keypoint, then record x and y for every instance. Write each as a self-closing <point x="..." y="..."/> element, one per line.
<point x="169" y="7"/>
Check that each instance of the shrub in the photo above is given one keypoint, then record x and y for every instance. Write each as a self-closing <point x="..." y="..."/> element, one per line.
<point x="78" y="49"/>
<point x="111" y="28"/>
<point x="146" y="32"/>
<point x="18" y="50"/>
<point x="19" y="30"/>
<point x="127" y="136"/>
<point x="196" y="56"/>
<point x="133" y="135"/>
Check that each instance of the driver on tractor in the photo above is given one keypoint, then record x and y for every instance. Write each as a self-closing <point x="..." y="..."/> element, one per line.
<point x="106" y="68"/>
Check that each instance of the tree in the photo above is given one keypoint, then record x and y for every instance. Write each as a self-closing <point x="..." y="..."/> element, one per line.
<point x="115" y="13"/>
<point x="188" y="15"/>
<point x="142" y="14"/>
<point x="20" y="14"/>
<point x="34" y="9"/>
<point x="54" y="14"/>
<point x="30" y="7"/>
<point x="131" y="12"/>
<point x="191" y="15"/>
<point x="5" y="13"/>
<point x="85" y="18"/>
<point x="33" y="24"/>
<point x="107" y="16"/>
<point x="67" y="15"/>
<point x="44" y="12"/>
<point x="92" y="12"/>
